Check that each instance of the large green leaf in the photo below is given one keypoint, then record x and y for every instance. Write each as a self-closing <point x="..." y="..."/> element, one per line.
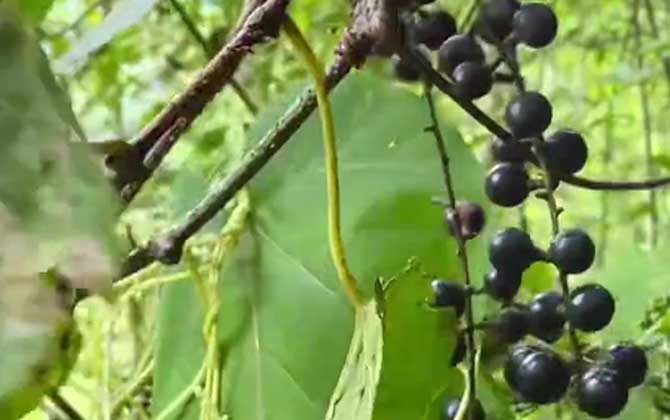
<point x="285" y="359"/>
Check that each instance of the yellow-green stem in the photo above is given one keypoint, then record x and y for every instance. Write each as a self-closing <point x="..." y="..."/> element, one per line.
<point x="316" y="70"/>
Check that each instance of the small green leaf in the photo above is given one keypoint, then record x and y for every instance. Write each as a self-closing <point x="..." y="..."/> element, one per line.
<point x="418" y="345"/>
<point x="354" y="395"/>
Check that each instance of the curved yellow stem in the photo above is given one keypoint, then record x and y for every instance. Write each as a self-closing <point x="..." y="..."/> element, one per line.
<point x="325" y="110"/>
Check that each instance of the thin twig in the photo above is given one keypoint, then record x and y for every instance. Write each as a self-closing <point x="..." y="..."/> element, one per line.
<point x="496" y="129"/>
<point x="168" y="247"/>
<point x="589" y="184"/>
<point x="646" y="122"/>
<point x="462" y="251"/>
<point x="65" y="406"/>
<point x="411" y="55"/>
<point x="605" y="196"/>
<point x="209" y="52"/>
<point x="166" y="129"/>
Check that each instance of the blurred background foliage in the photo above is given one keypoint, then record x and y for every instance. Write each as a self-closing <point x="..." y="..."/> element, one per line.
<point x="122" y="60"/>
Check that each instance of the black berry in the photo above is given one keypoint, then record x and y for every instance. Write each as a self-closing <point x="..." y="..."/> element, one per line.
<point x="405" y="70"/>
<point x="471" y="217"/>
<point x="535" y="25"/>
<point x="432" y="29"/>
<point x="600" y="393"/>
<point x="630" y="363"/>
<point x="449" y="294"/>
<point x="502" y="285"/>
<point x="510" y="326"/>
<point x="456" y="50"/>
<point x="514" y="359"/>
<point x="510" y="150"/>
<point x="451" y="406"/>
<point x="547" y="315"/>
<point x="538" y="376"/>
<point x="512" y="250"/>
<point x="495" y="19"/>
<point x="566" y="151"/>
<point x="572" y="251"/>
<point x="472" y="79"/>
<point x="591" y="308"/>
<point x="528" y="115"/>
<point x="507" y="184"/>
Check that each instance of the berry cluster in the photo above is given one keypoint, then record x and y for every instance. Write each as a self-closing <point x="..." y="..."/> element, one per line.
<point x="535" y="372"/>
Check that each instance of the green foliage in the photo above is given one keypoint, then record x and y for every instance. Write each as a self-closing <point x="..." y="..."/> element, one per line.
<point x="290" y="346"/>
<point x="418" y="344"/>
<point x="296" y="316"/>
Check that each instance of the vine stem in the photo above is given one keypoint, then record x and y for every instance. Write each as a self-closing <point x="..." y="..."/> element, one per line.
<point x="65" y="406"/>
<point x="471" y="386"/>
<point x="317" y="72"/>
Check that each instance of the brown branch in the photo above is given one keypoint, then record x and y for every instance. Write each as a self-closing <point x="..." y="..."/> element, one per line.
<point x="166" y="129"/>
<point x="168" y="246"/>
<point x="368" y="29"/>
<point x="206" y="47"/>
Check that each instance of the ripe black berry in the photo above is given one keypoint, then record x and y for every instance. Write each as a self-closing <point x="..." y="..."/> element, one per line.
<point x="451" y="406"/>
<point x="456" y="50"/>
<point x="514" y="359"/>
<point x="432" y="29"/>
<point x="600" y="393"/>
<point x="459" y="351"/>
<point x="528" y="115"/>
<point x="405" y="71"/>
<point x="471" y="217"/>
<point x="535" y="25"/>
<point x="510" y="150"/>
<point x="512" y="250"/>
<point x="538" y="376"/>
<point x="591" y="307"/>
<point x="572" y="251"/>
<point x="502" y="285"/>
<point x="472" y="79"/>
<point x="566" y="151"/>
<point x="510" y="326"/>
<point x="547" y="314"/>
<point x="507" y="184"/>
<point x="630" y="363"/>
<point x="495" y="19"/>
<point x="449" y="294"/>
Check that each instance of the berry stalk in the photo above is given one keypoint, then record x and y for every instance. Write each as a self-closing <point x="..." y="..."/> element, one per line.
<point x="555" y="229"/>
<point x="509" y="57"/>
<point x="470" y="344"/>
